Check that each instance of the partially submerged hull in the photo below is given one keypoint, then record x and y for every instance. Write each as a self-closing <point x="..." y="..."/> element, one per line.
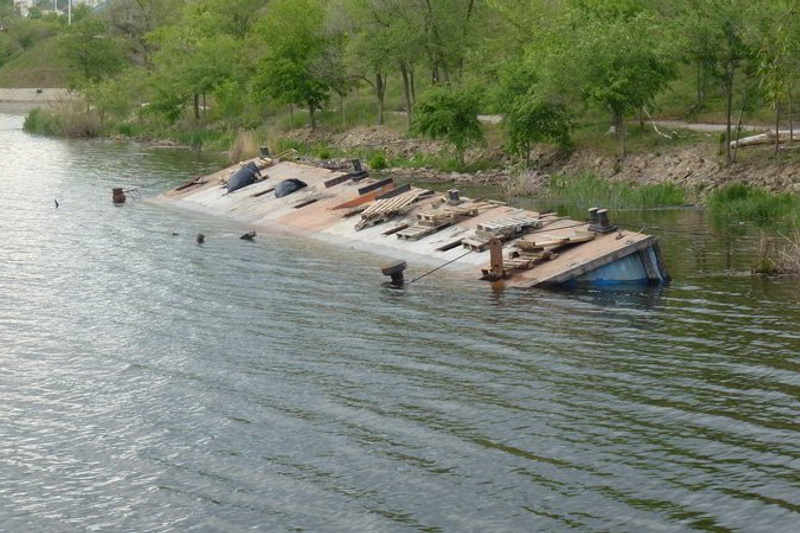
<point x="538" y="249"/>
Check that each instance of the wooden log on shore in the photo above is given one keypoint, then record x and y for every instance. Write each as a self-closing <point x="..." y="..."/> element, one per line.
<point x="766" y="138"/>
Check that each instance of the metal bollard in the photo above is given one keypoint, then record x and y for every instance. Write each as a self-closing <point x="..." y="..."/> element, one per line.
<point x="395" y="271"/>
<point x="118" y="196"/>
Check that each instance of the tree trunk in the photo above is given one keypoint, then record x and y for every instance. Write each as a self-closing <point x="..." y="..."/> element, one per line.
<point x="380" y="92"/>
<point x="738" y="131"/>
<point x="777" y="126"/>
<point x="791" y="118"/>
<point x="697" y="80"/>
<point x="312" y="119"/>
<point x="205" y="107"/>
<point x="196" y="106"/>
<point x="413" y="86"/>
<point x="619" y="131"/>
<point x="465" y="35"/>
<point x="728" y="112"/>
<point x="700" y="85"/>
<point x="291" y="116"/>
<point x="406" y="93"/>
<point x="341" y="110"/>
<point x="444" y="73"/>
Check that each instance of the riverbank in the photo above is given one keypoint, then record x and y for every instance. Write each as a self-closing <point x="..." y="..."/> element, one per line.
<point x="699" y="167"/>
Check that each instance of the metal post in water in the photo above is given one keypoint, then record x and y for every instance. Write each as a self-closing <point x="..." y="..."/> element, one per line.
<point x="395" y="271"/>
<point x="118" y="196"/>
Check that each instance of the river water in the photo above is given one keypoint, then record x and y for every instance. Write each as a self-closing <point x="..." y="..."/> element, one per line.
<point x="151" y="384"/>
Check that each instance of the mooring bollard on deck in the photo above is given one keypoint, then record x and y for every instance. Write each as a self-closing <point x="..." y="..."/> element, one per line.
<point x="599" y="221"/>
<point x="453" y="197"/>
<point x="118" y="196"/>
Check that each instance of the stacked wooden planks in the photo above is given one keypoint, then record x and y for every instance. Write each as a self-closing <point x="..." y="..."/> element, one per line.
<point x="384" y="210"/>
<point x="506" y="228"/>
<point x="439" y="216"/>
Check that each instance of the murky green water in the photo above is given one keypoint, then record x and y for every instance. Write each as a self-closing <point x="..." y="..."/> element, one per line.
<point x="150" y="384"/>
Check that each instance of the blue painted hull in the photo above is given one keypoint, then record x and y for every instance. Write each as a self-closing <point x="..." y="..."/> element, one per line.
<point x="643" y="267"/>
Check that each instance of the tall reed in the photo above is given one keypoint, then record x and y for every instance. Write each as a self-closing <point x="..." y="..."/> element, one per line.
<point x="244" y="146"/>
<point x="587" y="190"/>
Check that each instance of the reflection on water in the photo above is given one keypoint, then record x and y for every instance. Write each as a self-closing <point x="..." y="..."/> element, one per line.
<point x="151" y="384"/>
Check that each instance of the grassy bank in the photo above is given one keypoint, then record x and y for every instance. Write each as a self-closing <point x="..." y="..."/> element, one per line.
<point x="42" y="65"/>
<point x="587" y="190"/>
<point x="777" y="215"/>
<point x="742" y="203"/>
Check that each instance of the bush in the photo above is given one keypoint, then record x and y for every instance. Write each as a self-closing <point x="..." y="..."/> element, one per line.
<point x="531" y="120"/>
<point x="67" y="119"/>
<point x="377" y="161"/>
<point x="41" y="122"/>
<point x="449" y="113"/>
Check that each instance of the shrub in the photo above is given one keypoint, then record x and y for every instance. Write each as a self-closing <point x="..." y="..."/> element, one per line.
<point x="41" y="122"/>
<point x="378" y="161"/>
<point x="449" y="113"/>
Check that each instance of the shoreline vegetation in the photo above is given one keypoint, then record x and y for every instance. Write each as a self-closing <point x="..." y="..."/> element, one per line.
<point x="599" y="100"/>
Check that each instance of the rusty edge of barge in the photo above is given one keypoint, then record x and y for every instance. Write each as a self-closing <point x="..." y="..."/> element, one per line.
<point x="536" y="249"/>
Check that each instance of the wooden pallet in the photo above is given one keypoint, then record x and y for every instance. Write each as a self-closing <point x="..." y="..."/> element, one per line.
<point x="384" y="210"/>
<point x="418" y="231"/>
<point x="504" y="229"/>
<point x="514" y="224"/>
<point x="517" y="263"/>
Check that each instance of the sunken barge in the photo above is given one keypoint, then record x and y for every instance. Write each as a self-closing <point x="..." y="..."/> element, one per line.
<point x="477" y="237"/>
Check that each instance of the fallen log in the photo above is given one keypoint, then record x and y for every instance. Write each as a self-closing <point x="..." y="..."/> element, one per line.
<point x="766" y="138"/>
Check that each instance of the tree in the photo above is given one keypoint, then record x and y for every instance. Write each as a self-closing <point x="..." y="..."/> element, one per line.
<point x="721" y="23"/>
<point x="297" y="68"/>
<point x="91" y="52"/>
<point x="449" y="113"/>
<point x="134" y="20"/>
<point x="193" y="58"/>
<point x="7" y="10"/>
<point x="772" y="35"/>
<point x="531" y="119"/>
<point x="383" y="36"/>
<point x="619" y="64"/>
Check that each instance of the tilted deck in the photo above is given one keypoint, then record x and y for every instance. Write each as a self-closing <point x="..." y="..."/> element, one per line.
<point x="418" y="225"/>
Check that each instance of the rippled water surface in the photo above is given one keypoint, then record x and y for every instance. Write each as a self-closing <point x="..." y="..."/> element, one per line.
<point x="151" y="384"/>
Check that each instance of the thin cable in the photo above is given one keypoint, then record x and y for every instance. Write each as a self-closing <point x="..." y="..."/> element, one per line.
<point x="440" y="266"/>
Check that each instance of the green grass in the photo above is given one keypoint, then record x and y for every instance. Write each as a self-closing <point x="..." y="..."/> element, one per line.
<point x="588" y="190"/>
<point x="41" y="65"/>
<point x="592" y="133"/>
<point x="442" y="163"/>
<point x="739" y="203"/>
